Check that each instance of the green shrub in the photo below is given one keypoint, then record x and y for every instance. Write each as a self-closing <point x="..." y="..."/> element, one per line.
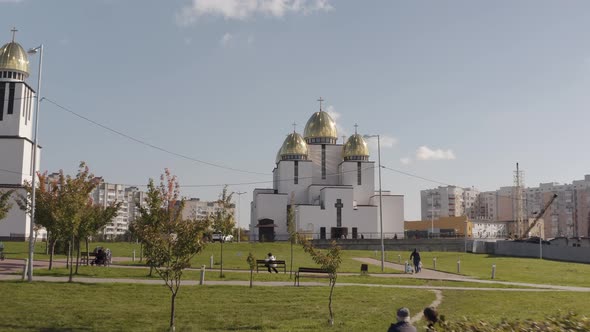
<point x="561" y="322"/>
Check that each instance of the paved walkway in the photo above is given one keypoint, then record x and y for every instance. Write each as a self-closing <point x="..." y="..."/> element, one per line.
<point x="11" y="269"/>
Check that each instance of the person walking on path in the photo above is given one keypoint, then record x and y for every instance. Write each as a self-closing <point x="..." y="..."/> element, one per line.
<point x="415" y="256"/>
<point x="269" y="263"/>
<point x="403" y="322"/>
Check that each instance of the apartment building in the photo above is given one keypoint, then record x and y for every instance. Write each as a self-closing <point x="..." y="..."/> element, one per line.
<point x="196" y="208"/>
<point x="106" y="194"/>
<point x="449" y="201"/>
<point x="568" y="215"/>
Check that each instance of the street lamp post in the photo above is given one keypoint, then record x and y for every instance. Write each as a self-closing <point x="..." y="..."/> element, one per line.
<point x="35" y="50"/>
<point x="239" y="193"/>
<point x="380" y="199"/>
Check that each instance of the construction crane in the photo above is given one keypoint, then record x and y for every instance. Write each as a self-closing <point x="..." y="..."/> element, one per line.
<point x="539" y="216"/>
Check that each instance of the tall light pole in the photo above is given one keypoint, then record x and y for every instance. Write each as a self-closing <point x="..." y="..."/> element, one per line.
<point x="380" y="199"/>
<point x="35" y="50"/>
<point x="239" y="193"/>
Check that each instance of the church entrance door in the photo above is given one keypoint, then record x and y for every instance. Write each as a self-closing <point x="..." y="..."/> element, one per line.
<point x="266" y="230"/>
<point x="338" y="232"/>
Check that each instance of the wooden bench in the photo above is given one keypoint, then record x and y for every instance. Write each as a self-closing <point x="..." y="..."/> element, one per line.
<point x="278" y="263"/>
<point x="84" y="255"/>
<point x="310" y="271"/>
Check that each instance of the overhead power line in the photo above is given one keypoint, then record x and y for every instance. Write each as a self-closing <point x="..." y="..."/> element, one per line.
<point x="145" y="143"/>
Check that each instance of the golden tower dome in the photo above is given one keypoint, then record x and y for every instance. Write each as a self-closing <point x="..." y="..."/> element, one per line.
<point x="355" y="148"/>
<point x="294" y="147"/>
<point x="320" y="128"/>
<point x="14" y="57"/>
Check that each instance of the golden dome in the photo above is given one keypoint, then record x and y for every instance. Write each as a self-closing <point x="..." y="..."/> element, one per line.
<point x="355" y="148"/>
<point x="294" y="145"/>
<point x="320" y="125"/>
<point x="278" y="158"/>
<point x="14" y="57"/>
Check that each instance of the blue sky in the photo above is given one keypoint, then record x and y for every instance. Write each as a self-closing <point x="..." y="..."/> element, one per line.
<point x="460" y="90"/>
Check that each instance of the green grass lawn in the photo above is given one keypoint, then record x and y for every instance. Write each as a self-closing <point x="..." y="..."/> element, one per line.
<point x="129" y="307"/>
<point x="494" y="306"/>
<point x="234" y="254"/>
<point x="137" y="273"/>
<point x="132" y="307"/>
<point x="527" y="270"/>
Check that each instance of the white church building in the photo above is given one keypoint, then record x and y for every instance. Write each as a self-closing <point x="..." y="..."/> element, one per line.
<point x="332" y="188"/>
<point x="17" y="112"/>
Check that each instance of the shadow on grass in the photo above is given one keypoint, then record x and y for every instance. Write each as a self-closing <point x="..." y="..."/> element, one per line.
<point x="62" y="329"/>
<point x="241" y="328"/>
<point x="4" y="327"/>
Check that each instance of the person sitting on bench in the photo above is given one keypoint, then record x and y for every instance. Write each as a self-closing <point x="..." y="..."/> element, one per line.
<point x="100" y="258"/>
<point x="269" y="263"/>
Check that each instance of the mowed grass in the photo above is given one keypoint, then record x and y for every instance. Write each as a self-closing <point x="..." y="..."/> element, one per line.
<point x="132" y="307"/>
<point x="234" y="254"/>
<point x="494" y="306"/>
<point x="526" y="270"/>
<point x="263" y="276"/>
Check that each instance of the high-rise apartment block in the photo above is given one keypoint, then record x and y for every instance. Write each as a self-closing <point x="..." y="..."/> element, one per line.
<point x="568" y="215"/>
<point x="448" y="201"/>
<point x="200" y="210"/>
<point x="106" y="194"/>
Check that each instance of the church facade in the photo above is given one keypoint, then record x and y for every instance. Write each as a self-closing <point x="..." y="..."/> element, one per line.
<point x="331" y="187"/>
<point x="17" y="112"/>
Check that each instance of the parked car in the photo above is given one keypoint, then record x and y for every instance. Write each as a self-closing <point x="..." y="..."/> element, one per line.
<point x="219" y="237"/>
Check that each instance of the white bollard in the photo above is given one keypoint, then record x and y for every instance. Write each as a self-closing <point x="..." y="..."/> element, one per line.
<point x="211" y="262"/>
<point x="459" y="266"/>
<point x="202" y="280"/>
<point x="134" y="255"/>
<point x="434" y="263"/>
<point x="399" y="258"/>
<point x="493" y="271"/>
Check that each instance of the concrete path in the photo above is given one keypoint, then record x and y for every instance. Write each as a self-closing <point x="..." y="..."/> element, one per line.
<point x="437" y="275"/>
<point x="434" y="304"/>
<point x="11" y="269"/>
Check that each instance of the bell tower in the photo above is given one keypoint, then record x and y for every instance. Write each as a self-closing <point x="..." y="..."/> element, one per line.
<point x="17" y="110"/>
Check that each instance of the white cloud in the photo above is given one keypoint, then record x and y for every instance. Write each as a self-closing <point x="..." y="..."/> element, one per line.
<point x="335" y="116"/>
<point x="386" y="141"/>
<point x="244" y="9"/>
<point x="426" y="153"/>
<point x="406" y="160"/>
<point x="226" y="39"/>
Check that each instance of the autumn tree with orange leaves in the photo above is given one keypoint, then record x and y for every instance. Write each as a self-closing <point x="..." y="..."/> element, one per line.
<point x="169" y="240"/>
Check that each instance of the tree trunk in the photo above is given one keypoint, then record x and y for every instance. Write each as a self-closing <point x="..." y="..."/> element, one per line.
<point x="87" y="252"/>
<point x="332" y="284"/>
<point x="221" y="269"/>
<point x="291" y="268"/>
<point x="172" y="312"/>
<point x="47" y="244"/>
<point x="77" y="255"/>
<point x="251" y="275"/>
<point x="71" y="278"/>
<point x="53" y="242"/>
<point x="141" y="252"/>
<point x="68" y="252"/>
